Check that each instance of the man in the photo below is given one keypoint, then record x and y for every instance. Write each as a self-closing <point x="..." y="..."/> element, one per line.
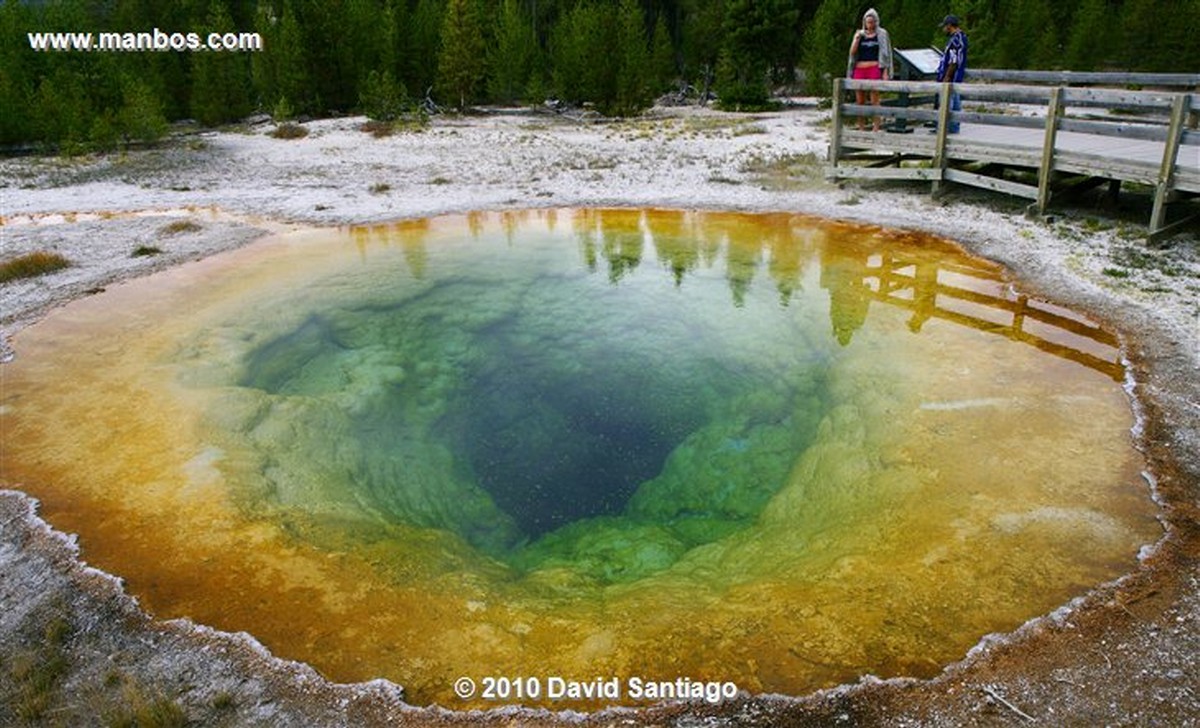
<point x="954" y="62"/>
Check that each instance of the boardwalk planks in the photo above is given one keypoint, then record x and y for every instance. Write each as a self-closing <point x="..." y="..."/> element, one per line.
<point x="1115" y="134"/>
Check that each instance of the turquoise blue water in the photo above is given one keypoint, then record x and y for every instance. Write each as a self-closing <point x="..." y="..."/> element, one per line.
<point x="524" y="395"/>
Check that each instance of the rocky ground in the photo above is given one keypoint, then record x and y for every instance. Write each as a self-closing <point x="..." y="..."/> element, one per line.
<point x="75" y="650"/>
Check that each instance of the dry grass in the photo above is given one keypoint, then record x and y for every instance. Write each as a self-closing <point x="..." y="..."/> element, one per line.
<point x="288" y="130"/>
<point x="179" y="226"/>
<point x="31" y="265"/>
<point x="141" y="708"/>
<point x="37" y="673"/>
<point x="378" y="129"/>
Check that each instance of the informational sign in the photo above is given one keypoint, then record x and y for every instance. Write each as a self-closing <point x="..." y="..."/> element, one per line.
<point x="922" y="61"/>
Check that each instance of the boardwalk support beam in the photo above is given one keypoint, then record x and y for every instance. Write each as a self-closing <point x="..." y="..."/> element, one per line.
<point x="940" y="160"/>
<point x="1046" y="172"/>
<point x="1166" y="173"/>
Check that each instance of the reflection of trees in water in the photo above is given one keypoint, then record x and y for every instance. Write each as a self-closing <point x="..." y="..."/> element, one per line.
<point x="584" y="225"/>
<point x="849" y="298"/>
<point x="685" y="242"/>
<point x="898" y="270"/>
<point x="511" y="221"/>
<point x="409" y="234"/>
<point x="616" y="236"/>
<point x="475" y="222"/>
<point x="676" y="243"/>
<point x="623" y="240"/>
<point x="787" y="252"/>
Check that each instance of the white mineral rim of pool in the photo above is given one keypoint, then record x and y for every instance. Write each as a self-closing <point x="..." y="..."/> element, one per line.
<point x="586" y="444"/>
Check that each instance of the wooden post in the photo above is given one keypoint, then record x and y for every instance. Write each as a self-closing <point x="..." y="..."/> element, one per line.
<point x="1113" y="195"/>
<point x="1046" y="173"/>
<point x="1166" y="172"/>
<point x="939" y="145"/>
<point x="835" y="134"/>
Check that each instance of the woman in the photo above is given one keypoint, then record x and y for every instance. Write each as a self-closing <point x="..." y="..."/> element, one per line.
<point x="870" y="58"/>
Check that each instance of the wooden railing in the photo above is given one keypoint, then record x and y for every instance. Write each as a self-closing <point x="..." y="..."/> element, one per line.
<point x="1145" y="137"/>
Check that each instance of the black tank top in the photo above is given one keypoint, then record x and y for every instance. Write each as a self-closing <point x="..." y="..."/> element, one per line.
<point x="868" y="48"/>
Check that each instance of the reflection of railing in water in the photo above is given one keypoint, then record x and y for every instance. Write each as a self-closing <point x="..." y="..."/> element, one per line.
<point x="615" y="242"/>
<point x="890" y="279"/>
<point x="851" y="279"/>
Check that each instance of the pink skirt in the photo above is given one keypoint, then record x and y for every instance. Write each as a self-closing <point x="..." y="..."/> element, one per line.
<point x="873" y="73"/>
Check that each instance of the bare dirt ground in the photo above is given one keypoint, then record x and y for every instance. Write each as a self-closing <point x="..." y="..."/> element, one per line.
<point x="75" y="650"/>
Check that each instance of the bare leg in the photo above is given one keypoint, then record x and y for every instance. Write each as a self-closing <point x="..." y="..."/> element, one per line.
<point x="859" y="98"/>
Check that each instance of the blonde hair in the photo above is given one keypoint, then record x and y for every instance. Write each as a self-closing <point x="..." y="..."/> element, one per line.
<point x="871" y="13"/>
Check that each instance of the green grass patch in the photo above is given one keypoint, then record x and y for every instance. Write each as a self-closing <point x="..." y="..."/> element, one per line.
<point x="1115" y="273"/>
<point x="31" y="265"/>
<point x="1140" y="258"/>
<point x="145" y="251"/>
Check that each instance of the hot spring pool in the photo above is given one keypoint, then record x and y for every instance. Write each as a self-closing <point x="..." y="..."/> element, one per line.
<point x="586" y="444"/>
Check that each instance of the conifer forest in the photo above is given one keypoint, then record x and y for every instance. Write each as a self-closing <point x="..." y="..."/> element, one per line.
<point x="385" y="58"/>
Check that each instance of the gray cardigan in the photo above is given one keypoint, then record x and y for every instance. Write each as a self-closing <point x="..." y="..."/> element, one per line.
<point x="885" y="54"/>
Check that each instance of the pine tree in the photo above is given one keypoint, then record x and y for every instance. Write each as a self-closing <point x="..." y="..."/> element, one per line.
<point x="140" y="117"/>
<point x="329" y="47"/>
<point x="701" y="35"/>
<point x="511" y="57"/>
<point x="219" y="80"/>
<point x="580" y="55"/>
<point x="264" y="66"/>
<point x="755" y="38"/>
<point x="662" y="57"/>
<point x="381" y="98"/>
<point x="1089" y="41"/>
<point x="16" y="78"/>
<point x="362" y="25"/>
<point x="1030" y="35"/>
<point x="826" y="43"/>
<point x="62" y="114"/>
<point x="634" y="77"/>
<point x="392" y="22"/>
<point x="461" y="61"/>
<point x="423" y="41"/>
<point x="291" y="78"/>
<point x="1156" y="35"/>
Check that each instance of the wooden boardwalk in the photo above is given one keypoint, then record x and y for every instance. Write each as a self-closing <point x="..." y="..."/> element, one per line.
<point x="1028" y="141"/>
